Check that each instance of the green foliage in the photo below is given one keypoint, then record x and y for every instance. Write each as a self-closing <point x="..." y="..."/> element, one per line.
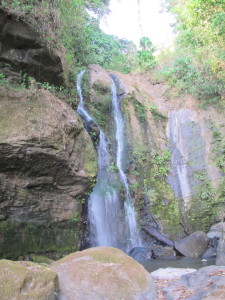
<point x="198" y="62"/>
<point x="75" y="218"/>
<point x="146" y="59"/>
<point x="85" y="42"/>
<point x="202" y="212"/>
<point x="208" y="203"/>
<point x="3" y="80"/>
<point x="219" y="148"/>
<point x="69" y="23"/>
<point x="193" y="78"/>
<point x="161" y="163"/>
<point x="112" y="168"/>
<point x="156" y="113"/>
<point x="151" y="170"/>
<point x="140" y="110"/>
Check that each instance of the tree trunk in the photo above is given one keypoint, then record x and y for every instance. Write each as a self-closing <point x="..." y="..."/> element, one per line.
<point x="153" y="232"/>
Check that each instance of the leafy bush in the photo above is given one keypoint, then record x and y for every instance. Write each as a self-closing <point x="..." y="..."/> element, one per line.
<point x="197" y="64"/>
<point x="145" y="56"/>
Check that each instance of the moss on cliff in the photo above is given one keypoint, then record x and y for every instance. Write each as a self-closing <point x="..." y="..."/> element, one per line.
<point x="22" y="238"/>
<point x="47" y="164"/>
<point x="151" y="171"/>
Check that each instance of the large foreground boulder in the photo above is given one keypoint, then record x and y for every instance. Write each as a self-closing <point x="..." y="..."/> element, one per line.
<point x="193" y="245"/>
<point x="103" y="273"/>
<point x="22" y="280"/>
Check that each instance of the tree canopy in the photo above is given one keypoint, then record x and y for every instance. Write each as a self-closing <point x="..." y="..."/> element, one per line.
<point x="198" y="63"/>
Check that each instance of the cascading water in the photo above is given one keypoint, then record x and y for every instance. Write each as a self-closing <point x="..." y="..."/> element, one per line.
<point x="107" y="224"/>
<point x="81" y="110"/>
<point x="104" y="208"/>
<point x="103" y="203"/>
<point x="134" y="236"/>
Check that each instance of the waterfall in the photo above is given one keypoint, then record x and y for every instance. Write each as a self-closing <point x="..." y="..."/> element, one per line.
<point x="81" y="110"/>
<point x="103" y="203"/>
<point x="108" y="226"/>
<point x="104" y="208"/>
<point x="134" y="237"/>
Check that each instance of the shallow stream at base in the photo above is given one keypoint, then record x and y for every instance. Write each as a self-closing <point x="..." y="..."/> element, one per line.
<point x="183" y="262"/>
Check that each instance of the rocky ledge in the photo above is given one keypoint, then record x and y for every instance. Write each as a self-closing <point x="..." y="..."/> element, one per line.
<point x="47" y="166"/>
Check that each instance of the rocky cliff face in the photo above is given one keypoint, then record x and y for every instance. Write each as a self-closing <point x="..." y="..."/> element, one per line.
<point x="174" y="151"/>
<point x="22" y="51"/>
<point x="47" y="166"/>
<point x="47" y="160"/>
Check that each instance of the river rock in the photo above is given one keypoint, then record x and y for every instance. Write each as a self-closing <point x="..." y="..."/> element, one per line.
<point x="103" y="273"/>
<point x="171" y="273"/>
<point x="160" y="252"/>
<point x="22" y="280"/>
<point x="205" y="283"/>
<point x="216" y="230"/>
<point x="140" y="253"/>
<point x="209" y="253"/>
<point x="193" y="245"/>
<point x="220" y="258"/>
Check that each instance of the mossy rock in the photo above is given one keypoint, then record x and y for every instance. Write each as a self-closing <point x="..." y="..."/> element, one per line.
<point x="23" y="280"/>
<point x="40" y="259"/>
<point x="104" y="273"/>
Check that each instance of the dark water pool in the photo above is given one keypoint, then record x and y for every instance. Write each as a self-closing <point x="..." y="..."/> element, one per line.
<point x="183" y="262"/>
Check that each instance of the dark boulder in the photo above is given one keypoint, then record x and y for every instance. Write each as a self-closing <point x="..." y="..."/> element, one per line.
<point x="140" y="253"/>
<point x="193" y="245"/>
<point x="160" y="252"/>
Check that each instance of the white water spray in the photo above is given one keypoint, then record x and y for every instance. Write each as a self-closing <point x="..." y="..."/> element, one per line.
<point x="134" y="236"/>
<point x="108" y="226"/>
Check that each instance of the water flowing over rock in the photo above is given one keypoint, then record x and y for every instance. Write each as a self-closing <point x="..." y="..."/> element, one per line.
<point x="105" y="208"/>
<point x="134" y="236"/>
<point x="103" y="205"/>
<point x="187" y="147"/>
<point x="173" y="192"/>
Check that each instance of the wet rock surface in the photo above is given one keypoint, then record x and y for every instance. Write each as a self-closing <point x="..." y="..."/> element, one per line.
<point x="140" y="253"/>
<point x="160" y="252"/>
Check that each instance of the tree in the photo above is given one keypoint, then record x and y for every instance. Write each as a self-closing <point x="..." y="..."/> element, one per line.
<point x="200" y="46"/>
<point x="145" y="57"/>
